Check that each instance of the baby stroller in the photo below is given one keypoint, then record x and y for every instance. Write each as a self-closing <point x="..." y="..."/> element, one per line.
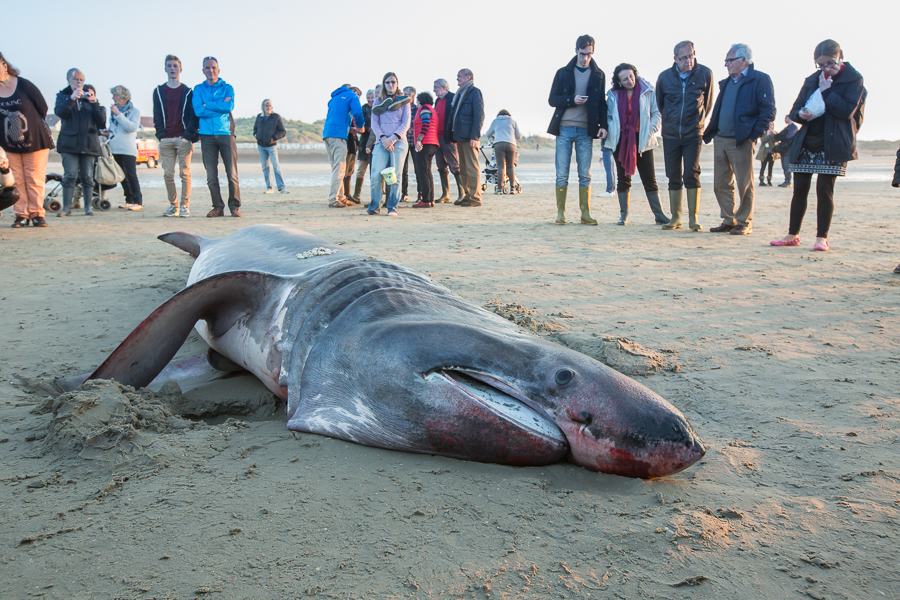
<point x="53" y="201"/>
<point x="491" y="174"/>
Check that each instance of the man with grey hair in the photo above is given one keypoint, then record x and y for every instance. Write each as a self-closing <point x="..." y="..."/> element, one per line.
<point x="743" y="111"/>
<point x="685" y="96"/>
<point x="447" y="157"/>
<point x="464" y="127"/>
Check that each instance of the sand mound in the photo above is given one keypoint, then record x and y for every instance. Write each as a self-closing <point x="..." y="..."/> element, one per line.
<point x="531" y="320"/>
<point x="624" y="355"/>
<point x="103" y="417"/>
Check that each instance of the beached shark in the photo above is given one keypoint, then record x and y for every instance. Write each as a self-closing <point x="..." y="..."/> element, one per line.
<point x="372" y="352"/>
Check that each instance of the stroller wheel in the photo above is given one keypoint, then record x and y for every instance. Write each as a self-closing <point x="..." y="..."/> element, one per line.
<point x="94" y="203"/>
<point x="103" y="204"/>
<point x="52" y="205"/>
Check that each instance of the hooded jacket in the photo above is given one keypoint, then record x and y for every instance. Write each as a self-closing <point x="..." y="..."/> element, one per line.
<point x="845" y="103"/>
<point x="81" y="124"/>
<point x="268" y="130"/>
<point x="211" y="108"/>
<point x="504" y="129"/>
<point x="649" y="119"/>
<point x="343" y="103"/>
<point x="562" y="96"/>
<point x="188" y="118"/>
<point x="684" y="104"/>
<point x="754" y="108"/>
<point x="123" y="130"/>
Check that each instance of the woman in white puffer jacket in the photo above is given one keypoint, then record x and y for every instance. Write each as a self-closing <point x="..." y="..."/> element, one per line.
<point x="634" y="120"/>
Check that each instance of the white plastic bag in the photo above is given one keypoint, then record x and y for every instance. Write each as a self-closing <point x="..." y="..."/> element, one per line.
<point x="816" y="104"/>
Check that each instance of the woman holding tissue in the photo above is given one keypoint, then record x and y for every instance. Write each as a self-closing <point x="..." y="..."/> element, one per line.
<point x="830" y="111"/>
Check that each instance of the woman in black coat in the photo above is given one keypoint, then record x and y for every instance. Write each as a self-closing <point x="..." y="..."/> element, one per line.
<point x="826" y="141"/>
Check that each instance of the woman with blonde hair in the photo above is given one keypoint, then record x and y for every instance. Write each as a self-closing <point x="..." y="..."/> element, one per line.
<point x="27" y="142"/>
<point x="124" y="121"/>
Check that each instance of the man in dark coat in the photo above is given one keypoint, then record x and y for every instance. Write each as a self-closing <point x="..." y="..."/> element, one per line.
<point x="82" y="118"/>
<point x="578" y="94"/>
<point x="464" y="127"/>
<point x="783" y="141"/>
<point x="684" y="94"/>
<point x="743" y="111"/>
<point x="268" y="129"/>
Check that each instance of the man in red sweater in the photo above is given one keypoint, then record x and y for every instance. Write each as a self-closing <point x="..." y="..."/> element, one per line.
<point x="447" y="155"/>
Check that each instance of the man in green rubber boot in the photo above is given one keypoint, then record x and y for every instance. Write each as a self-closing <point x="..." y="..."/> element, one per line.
<point x="579" y="96"/>
<point x="685" y="96"/>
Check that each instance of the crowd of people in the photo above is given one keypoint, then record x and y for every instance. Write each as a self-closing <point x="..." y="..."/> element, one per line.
<point x="395" y="126"/>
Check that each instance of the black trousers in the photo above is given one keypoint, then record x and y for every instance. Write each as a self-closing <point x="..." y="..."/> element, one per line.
<point x="824" y="207"/>
<point x="131" y="185"/>
<point x="212" y="147"/>
<point x="770" y="161"/>
<point x="645" y="168"/>
<point x="422" y="160"/>
<point x="686" y="152"/>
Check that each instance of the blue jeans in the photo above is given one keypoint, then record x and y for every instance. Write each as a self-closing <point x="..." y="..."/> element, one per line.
<point x="610" y="171"/>
<point x="382" y="159"/>
<point x="267" y="153"/>
<point x="73" y="166"/>
<point x="584" y="153"/>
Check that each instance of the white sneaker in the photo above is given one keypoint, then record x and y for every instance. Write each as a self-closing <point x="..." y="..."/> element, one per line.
<point x="270" y="191"/>
<point x="284" y="191"/>
<point x="606" y="194"/>
<point x="172" y="211"/>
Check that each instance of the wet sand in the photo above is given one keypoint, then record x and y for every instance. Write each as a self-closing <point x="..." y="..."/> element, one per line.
<point x="784" y="360"/>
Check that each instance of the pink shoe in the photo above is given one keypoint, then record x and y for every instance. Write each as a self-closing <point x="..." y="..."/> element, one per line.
<point x="823" y="246"/>
<point x="793" y="242"/>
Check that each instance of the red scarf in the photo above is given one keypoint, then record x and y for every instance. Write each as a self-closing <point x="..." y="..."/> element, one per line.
<point x="630" y="121"/>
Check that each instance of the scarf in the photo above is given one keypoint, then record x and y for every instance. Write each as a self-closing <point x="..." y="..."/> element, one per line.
<point x="123" y="110"/>
<point x="459" y="97"/>
<point x="630" y="121"/>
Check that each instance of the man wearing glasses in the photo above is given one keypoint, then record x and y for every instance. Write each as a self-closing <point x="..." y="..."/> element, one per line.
<point x="213" y="101"/>
<point x="685" y="96"/>
<point x="743" y="111"/>
<point x="578" y="94"/>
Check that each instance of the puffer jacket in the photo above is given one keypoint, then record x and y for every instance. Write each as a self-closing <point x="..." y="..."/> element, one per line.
<point x="684" y="107"/>
<point x="896" y="182"/>
<point x="465" y="124"/>
<point x="81" y="124"/>
<point x="212" y="109"/>
<point x="754" y="108"/>
<point x="649" y="123"/>
<point x="562" y="97"/>
<point x="845" y="103"/>
<point x="123" y="130"/>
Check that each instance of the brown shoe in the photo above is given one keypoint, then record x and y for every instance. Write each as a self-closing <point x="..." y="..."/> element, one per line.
<point x="721" y="228"/>
<point x="236" y="212"/>
<point x="216" y="212"/>
<point x="337" y="204"/>
<point x="469" y="202"/>
<point x="741" y="230"/>
<point x="423" y="205"/>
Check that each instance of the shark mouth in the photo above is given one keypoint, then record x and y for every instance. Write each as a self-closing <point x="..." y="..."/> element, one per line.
<point x="505" y="400"/>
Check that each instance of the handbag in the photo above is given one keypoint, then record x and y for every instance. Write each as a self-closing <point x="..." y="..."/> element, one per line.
<point x="108" y="170"/>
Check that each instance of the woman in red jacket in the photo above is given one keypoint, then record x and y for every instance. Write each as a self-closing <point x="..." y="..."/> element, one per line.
<point x="427" y="145"/>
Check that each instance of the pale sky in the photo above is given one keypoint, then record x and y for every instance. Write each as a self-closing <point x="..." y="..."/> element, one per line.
<point x="297" y="53"/>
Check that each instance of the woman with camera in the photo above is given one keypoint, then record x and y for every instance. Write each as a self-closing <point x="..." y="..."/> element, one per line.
<point x="27" y="142"/>
<point x="830" y="111"/>
<point x="81" y="118"/>
<point x="123" y="125"/>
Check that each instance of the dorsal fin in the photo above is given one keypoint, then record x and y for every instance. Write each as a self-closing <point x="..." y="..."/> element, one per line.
<point x="147" y="349"/>
<point x="188" y="242"/>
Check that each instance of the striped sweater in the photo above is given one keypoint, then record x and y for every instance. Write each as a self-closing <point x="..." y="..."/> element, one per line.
<point x="426" y="125"/>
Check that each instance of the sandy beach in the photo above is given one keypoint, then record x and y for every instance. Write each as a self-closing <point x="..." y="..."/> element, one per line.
<point x="784" y="360"/>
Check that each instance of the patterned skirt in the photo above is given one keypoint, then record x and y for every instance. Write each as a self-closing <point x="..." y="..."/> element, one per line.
<point x="815" y="162"/>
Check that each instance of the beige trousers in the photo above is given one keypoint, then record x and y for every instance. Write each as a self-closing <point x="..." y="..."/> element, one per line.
<point x="29" y="169"/>
<point x="469" y="175"/>
<point x="732" y="164"/>
<point x="337" y="154"/>
<point x="172" y="151"/>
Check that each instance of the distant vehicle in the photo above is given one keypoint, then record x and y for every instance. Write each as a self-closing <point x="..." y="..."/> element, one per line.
<point x="148" y="152"/>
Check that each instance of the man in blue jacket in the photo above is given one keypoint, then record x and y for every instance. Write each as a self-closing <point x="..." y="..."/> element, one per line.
<point x="344" y="103"/>
<point x="743" y="111"/>
<point x="213" y="101"/>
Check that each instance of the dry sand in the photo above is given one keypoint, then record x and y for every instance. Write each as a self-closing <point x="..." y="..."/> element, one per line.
<point x="784" y="360"/>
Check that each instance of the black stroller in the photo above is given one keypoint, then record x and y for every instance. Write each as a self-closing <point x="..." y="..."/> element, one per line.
<point x="491" y="174"/>
<point x="53" y="201"/>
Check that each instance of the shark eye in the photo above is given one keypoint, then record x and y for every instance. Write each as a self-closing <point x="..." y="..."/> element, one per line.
<point x="564" y="376"/>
